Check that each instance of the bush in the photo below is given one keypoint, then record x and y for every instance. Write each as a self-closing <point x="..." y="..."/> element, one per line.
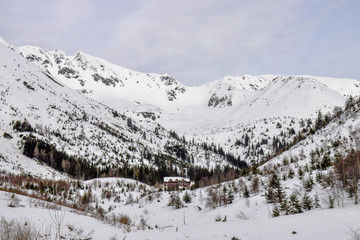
<point x="23" y="126"/>
<point x="125" y="219"/>
<point x="7" y="135"/>
<point x="354" y="233"/>
<point x="126" y="222"/>
<point x="16" y="230"/>
<point x="175" y="200"/>
<point x="187" y="197"/>
<point x="213" y="198"/>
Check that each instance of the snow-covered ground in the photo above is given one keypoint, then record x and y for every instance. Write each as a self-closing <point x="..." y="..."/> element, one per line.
<point x="246" y="219"/>
<point x="195" y="111"/>
<point x="113" y="116"/>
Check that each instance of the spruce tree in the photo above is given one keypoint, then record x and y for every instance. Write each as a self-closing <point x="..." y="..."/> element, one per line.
<point x="230" y="196"/>
<point x="270" y="195"/>
<point x="307" y="203"/>
<point x="187" y="197"/>
<point x="284" y="206"/>
<point x="175" y="200"/>
<point x="279" y="193"/>
<point x="246" y="192"/>
<point x="317" y="201"/>
<point x="276" y="211"/>
<point x="331" y="201"/>
<point x="295" y="206"/>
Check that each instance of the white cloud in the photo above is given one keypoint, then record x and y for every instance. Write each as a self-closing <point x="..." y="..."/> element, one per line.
<point x="181" y="34"/>
<point x="69" y="12"/>
<point x="196" y="41"/>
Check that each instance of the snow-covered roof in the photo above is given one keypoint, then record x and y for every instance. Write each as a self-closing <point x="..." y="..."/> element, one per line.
<point x="174" y="179"/>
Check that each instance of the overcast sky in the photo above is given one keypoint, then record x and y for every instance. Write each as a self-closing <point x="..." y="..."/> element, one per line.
<point x="196" y="41"/>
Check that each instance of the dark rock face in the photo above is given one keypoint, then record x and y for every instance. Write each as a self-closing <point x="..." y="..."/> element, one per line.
<point x="110" y="81"/>
<point x="216" y="101"/>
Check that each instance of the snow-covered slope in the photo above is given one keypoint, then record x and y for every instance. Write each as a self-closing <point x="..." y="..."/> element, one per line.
<point x="257" y="119"/>
<point x="219" y="112"/>
<point x="274" y="92"/>
<point x="83" y="71"/>
<point x="80" y="126"/>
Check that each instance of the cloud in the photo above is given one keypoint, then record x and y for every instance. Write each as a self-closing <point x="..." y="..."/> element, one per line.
<point x="177" y="35"/>
<point x="196" y="41"/>
<point x="68" y="13"/>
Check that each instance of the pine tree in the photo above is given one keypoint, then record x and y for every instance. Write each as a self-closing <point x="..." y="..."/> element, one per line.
<point x="270" y="195"/>
<point x="284" y="206"/>
<point x="230" y="196"/>
<point x="224" y="196"/>
<point x="276" y="211"/>
<point x="307" y="203"/>
<point x="279" y="193"/>
<point x="331" y="201"/>
<point x="317" y="201"/>
<point x="295" y="206"/>
<point x="175" y="200"/>
<point x="187" y="197"/>
<point x="246" y="192"/>
<point x="291" y="173"/>
<point x="319" y="122"/>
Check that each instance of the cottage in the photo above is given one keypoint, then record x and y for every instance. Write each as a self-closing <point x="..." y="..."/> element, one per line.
<point x="176" y="182"/>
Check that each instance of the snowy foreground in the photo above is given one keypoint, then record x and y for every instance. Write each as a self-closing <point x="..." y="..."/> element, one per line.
<point x="245" y="219"/>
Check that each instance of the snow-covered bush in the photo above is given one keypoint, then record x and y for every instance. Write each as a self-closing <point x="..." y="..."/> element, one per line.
<point x="12" y="229"/>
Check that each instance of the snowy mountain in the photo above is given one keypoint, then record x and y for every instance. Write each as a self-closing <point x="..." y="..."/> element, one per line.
<point x="249" y="117"/>
<point x="108" y="81"/>
<point x="309" y="199"/>
<point x="270" y="151"/>
<point x="217" y="112"/>
<point x="45" y="120"/>
<point x="83" y="71"/>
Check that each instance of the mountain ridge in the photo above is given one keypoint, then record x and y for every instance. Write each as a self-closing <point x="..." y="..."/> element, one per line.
<point x="83" y="71"/>
<point x="220" y="112"/>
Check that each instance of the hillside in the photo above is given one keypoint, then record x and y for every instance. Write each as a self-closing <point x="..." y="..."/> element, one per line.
<point x="61" y="127"/>
<point x="299" y="194"/>
<point x="221" y="113"/>
<point x="270" y="157"/>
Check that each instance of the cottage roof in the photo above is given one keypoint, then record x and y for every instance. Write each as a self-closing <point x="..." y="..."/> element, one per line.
<point x="173" y="179"/>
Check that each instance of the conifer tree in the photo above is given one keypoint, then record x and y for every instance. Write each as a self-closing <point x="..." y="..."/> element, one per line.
<point x="307" y="203"/>
<point x="295" y="206"/>
<point x="284" y="206"/>
<point x="187" y="197"/>
<point x="246" y="192"/>
<point x="317" y="201"/>
<point x="276" y="211"/>
<point x="230" y="196"/>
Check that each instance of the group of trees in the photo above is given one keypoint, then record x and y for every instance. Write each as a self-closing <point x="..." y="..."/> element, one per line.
<point x="286" y="205"/>
<point x="347" y="169"/>
<point x="218" y="196"/>
<point x="81" y="168"/>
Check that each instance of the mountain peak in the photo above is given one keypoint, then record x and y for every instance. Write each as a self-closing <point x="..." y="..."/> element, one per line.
<point x="2" y="41"/>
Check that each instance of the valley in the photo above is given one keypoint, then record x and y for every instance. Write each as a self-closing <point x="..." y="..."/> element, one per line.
<point x="88" y="141"/>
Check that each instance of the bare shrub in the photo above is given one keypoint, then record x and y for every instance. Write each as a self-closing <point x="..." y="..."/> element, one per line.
<point x="114" y="237"/>
<point x="57" y="218"/>
<point x="354" y="233"/>
<point x="14" y="201"/>
<point x="241" y="215"/>
<point x="125" y="220"/>
<point x="100" y="213"/>
<point x="130" y="199"/>
<point x="175" y="201"/>
<point x="218" y="218"/>
<point x="143" y="225"/>
<point x="255" y="185"/>
<point x="17" y="230"/>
